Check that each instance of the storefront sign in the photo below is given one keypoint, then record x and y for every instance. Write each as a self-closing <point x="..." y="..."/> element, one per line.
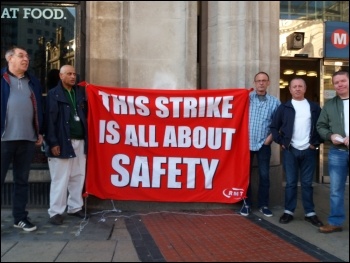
<point x="337" y="40"/>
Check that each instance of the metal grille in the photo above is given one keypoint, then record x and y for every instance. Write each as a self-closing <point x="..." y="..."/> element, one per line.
<point x="38" y="196"/>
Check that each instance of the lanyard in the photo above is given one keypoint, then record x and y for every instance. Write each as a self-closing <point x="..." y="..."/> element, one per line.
<point x="72" y="98"/>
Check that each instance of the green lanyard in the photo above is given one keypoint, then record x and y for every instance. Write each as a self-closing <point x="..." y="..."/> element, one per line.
<point x="72" y="98"/>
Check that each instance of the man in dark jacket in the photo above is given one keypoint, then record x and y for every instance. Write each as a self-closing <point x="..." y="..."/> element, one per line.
<point x="21" y="128"/>
<point x="65" y="138"/>
<point x="294" y="128"/>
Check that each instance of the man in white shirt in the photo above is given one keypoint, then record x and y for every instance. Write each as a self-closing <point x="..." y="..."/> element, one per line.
<point x="294" y="128"/>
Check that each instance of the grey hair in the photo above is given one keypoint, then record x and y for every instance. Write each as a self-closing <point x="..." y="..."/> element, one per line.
<point x="11" y="51"/>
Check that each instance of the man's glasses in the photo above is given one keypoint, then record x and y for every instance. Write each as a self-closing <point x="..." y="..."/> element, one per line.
<point x="262" y="80"/>
<point x="22" y="56"/>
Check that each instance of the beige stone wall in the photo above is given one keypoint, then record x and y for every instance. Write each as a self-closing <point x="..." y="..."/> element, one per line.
<point x="243" y="39"/>
<point x="142" y="44"/>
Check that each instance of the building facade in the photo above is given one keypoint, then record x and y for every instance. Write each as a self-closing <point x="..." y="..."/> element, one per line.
<point x="167" y="45"/>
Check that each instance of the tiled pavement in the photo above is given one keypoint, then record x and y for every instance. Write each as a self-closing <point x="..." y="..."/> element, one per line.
<point x="220" y="235"/>
<point x="187" y="236"/>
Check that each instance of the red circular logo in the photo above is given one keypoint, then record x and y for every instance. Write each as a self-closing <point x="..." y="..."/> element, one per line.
<point x="340" y="38"/>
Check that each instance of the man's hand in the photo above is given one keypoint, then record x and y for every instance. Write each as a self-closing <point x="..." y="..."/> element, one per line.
<point x="39" y="141"/>
<point x="56" y="150"/>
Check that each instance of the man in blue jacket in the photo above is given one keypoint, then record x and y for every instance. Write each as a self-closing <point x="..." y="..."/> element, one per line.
<point x="294" y="128"/>
<point x="66" y="138"/>
<point x="21" y="128"/>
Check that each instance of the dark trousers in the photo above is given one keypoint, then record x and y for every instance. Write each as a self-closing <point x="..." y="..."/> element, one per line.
<point x="263" y="158"/>
<point x="21" y="154"/>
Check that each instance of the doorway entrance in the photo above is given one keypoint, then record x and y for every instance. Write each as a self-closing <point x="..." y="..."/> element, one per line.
<point x="306" y="68"/>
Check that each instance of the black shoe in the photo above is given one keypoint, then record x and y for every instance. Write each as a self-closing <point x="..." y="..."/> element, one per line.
<point x="286" y="218"/>
<point x="314" y="220"/>
<point x="79" y="214"/>
<point x="26" y="225"/>
<point x="56" y="219"/>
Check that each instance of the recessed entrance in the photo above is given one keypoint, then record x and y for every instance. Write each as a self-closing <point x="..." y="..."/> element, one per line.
<point x="305" y="68"/>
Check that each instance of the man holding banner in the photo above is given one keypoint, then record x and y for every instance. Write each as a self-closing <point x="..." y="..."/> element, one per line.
<point x="261" y="110"/>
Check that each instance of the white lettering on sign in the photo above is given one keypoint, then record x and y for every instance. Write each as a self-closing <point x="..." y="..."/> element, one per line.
<point x="9" y="13"/>
<point x="340" y="39"/>
<point x="198" y="137"/>
<point x="176" y="107"/>
<point x="35" y="13"/>
<point x="192" y="107"/>
<point x="147" y="176"/>
<point x="125" y="105"/>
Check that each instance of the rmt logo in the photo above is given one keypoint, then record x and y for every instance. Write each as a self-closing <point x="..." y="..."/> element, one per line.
<point x="340" y="38"/>
<point x="233" y="192"/>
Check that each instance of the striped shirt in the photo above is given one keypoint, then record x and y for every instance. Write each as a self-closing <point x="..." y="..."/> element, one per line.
<point x="261" y="111"/>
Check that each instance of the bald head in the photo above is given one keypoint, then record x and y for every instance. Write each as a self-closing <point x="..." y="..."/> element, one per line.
<point x="68" y="76"/>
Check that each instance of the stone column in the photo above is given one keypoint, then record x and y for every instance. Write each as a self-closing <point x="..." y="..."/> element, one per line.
<point x="240" y="39"/>
<point x="142" y="44"/>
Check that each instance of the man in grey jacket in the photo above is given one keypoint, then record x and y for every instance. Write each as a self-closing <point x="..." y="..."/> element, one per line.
<point x="21" y="128"/>
<point x="333" y="126"/>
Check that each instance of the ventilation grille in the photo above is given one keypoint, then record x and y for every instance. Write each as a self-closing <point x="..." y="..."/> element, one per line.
<point x="38" y="196"/>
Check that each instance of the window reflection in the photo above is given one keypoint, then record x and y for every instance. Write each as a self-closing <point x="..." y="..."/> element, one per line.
<point x="47" y="32"/>
<point x="312" y="10"/>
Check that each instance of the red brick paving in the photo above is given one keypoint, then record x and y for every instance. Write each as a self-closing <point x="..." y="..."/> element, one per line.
<point x="218" y="236"/>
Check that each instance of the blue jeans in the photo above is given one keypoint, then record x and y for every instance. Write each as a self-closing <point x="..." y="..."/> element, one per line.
<point x="297" y="162"/>
<point x="338" y="168"/>
<point x="263" y="155"/>
<point x="21" y="154"/>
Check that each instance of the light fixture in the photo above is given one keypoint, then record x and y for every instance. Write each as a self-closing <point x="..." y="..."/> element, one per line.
<point x="288" y="72"/>
<point x="285" y="83"/>
<point x="338" y="63"/>
<point x="281" y="81"/>
<point x="282" y="87"/>
<point x="300" y="73"/>
<point x="311" y="74"/>
<point x="327" y="76"/>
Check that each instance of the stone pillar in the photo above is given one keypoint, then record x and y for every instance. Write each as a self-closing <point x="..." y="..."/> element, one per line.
<point x="142" y="44"/>
<point x="240" y="39"/>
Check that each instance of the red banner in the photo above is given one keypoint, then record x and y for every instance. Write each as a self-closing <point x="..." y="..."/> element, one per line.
<point x="167" y="145"/>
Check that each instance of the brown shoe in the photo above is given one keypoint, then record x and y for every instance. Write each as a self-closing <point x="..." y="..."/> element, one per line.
<point x="56" y="219"/>
<point x="330" y="229"/>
